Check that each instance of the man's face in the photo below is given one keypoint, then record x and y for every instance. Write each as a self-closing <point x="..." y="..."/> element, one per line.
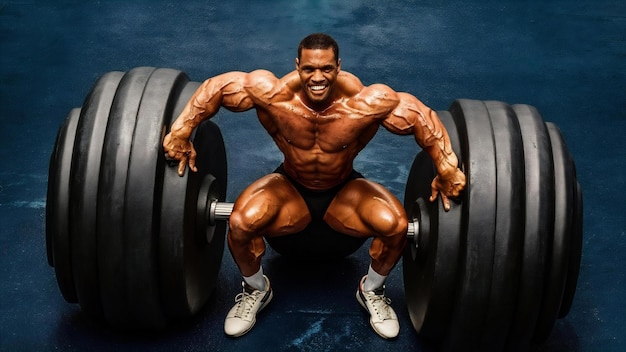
<point x="318" y="70"/>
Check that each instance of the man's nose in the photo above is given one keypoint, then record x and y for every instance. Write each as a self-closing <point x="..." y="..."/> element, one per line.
<point x="318" y="76"/>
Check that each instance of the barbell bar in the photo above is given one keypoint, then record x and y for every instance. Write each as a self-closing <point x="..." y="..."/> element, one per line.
<point x="220" y="211"/>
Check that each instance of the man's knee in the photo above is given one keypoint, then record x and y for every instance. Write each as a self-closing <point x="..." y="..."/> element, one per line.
<point x="385" y="220"/>
<point x="248" y="221"/>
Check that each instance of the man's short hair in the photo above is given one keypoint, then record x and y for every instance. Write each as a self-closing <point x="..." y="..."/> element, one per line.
<point x="319" y="41"/>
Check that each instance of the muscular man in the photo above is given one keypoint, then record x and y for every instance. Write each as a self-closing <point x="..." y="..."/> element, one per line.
<point x="320" y="118"/>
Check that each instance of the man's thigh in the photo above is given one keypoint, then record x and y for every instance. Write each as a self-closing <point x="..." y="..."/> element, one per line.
<point x="270" y="206"/>
<point x="364" y="208"/>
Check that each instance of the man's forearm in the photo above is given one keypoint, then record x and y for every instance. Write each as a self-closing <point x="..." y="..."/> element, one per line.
<point x="447" y="161"/>
<point x="434" y="139"/>
<point x="184" y="125"/>
<point x="198" y="108"/>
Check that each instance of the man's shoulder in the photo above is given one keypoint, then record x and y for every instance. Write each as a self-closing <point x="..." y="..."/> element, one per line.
<point x="349" y="84"/>
<point x="352" y="84"/>
<point x="260" y="78"/>
<point x="375" y="97"/>
<point x="263" y="85"/>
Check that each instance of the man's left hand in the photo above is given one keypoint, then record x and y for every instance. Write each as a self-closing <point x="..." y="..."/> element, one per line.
<point x="449" y="187"/>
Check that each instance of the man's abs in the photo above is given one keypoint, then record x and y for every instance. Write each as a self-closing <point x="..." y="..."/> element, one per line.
<point x="318" y="176"/>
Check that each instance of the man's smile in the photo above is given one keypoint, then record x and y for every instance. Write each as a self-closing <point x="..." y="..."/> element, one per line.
<point x="318" y="88"/>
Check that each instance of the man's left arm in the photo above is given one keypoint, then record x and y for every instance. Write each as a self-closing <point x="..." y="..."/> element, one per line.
<point x="410" y="115"/>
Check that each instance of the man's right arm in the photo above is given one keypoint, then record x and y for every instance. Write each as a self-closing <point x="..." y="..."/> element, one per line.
<point x="227" y="90"/>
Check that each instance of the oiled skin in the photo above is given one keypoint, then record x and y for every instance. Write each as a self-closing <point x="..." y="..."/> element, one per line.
<point x="320" y="118"/>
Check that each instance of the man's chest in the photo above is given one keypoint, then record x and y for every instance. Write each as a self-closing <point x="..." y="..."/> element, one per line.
<point x="334" y="128"/>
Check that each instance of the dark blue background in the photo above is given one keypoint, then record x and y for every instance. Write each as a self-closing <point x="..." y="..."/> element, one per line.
<point x="567" y="58"/>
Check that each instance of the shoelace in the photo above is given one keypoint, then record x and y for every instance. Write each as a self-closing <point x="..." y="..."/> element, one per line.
<point x="244" y="301"/>
<point x="381" y="306"/>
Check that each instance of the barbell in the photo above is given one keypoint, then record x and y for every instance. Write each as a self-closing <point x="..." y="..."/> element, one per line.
<point x="140" y="247"/>
<point x="220" y="211"/>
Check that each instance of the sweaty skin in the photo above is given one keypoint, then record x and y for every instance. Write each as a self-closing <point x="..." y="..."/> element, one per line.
<point x="320" y="118"/>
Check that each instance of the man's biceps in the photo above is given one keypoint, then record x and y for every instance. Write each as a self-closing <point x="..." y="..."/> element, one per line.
<point x="238" y="102"/>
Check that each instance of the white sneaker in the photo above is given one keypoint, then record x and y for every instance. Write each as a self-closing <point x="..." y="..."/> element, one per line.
<point x="382" y="317"/>
<point x="242" y="316"/>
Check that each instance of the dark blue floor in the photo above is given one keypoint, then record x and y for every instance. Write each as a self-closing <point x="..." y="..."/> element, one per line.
<point x="567" y="58"/>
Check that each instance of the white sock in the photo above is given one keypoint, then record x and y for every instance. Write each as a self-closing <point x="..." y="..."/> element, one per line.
<point x="256" y="281"/>
<point x="373" y="281"/>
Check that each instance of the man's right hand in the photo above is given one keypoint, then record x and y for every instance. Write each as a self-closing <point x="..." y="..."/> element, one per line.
<point x="182" y="150"/>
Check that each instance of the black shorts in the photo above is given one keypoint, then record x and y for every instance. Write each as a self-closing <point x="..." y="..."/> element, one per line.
<point x="317" y="201"/>
<point x="318" y="240"/>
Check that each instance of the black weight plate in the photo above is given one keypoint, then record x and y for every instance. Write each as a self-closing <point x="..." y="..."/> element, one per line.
<point x="558" y="257"/>
<point x="509" y="153"/>
<point x="84" y="190"/>
<point x="576" y="246"/>
<point x="57" y="207"/>
<point x="478" y="226"/>
<point x="143" y="198"/>
<point x="430" y="271"/>
<point x="539" y="224"/>
<point x="418" y="262"/>
<point x="190" y="266"/>
<point x="115" y="251"/>
<point x="420" y="255"/>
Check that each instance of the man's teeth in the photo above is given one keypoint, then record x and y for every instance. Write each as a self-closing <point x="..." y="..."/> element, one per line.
<point x="318" y="87"/>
